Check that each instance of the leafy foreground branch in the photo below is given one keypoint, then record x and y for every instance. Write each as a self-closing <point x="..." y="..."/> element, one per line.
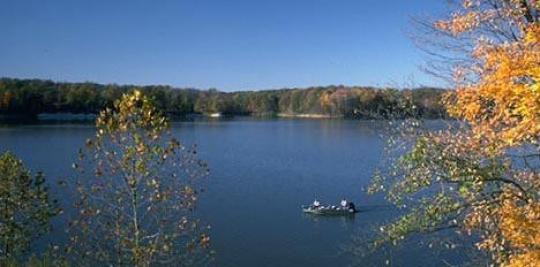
<point x="137" y="190"/>
<point x="481" y="177"/>
<point x="25" y="209"/>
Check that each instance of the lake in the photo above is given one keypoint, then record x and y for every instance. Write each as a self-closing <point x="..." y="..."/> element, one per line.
<point x="262" y="171"/>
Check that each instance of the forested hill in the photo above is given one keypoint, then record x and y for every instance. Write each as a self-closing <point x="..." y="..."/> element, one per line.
<point x="30" y="97"/>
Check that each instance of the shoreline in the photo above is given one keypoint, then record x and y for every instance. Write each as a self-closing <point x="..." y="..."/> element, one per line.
<point x="309" y="116"/>
<point x="89" y="117"/>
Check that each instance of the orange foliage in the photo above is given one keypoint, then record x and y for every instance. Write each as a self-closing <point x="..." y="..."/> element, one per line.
<point x="519" y="226"/>
<point x="485" y="176"/>
<point x="502" y="107"/>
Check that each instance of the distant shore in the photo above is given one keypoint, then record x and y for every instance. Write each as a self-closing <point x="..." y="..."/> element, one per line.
<point x="90" y="118"/>
<point x="34" y="97"/>
<point x="309" y="116"/>
<point x="67" y="117"/>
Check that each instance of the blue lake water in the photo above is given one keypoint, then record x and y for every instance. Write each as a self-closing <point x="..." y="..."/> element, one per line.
<point x="261" y="172"/>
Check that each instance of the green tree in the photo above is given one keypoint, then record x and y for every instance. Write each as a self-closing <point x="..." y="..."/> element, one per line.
<point x="25" y="208"/>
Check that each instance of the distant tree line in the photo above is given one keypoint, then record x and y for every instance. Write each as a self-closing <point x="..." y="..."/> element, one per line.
<point x="30" y="97"/>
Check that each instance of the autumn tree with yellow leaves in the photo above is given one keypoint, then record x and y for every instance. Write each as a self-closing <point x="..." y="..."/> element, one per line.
<point x="136" y="191"/>
<point x="481" y="177"/>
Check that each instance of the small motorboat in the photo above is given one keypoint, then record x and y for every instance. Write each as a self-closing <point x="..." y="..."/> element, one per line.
<point x="330" y="210"/>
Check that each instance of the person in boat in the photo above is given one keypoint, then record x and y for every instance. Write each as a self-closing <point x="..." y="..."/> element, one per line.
<point x="316" y="204"/>
<point x="351" y="207"/>
<point x="343" y="203"/>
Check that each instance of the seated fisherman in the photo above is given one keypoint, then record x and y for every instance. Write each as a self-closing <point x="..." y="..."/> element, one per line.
<point x="316" y="204"/>
<point x="351" y="207"/>
<point x="343" y="203"/>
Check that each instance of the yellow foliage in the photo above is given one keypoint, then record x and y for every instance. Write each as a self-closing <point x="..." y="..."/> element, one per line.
<point x="486" y="173"/>
<point x="502" y="108"/>
<point x="505" y="103"/>
<point x="519" y="226"/>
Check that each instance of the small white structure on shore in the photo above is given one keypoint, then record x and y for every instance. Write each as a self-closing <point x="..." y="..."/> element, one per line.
<point x="215" y="115"/>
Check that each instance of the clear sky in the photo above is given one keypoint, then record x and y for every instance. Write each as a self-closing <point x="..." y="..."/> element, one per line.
<point x="224" y="44"/>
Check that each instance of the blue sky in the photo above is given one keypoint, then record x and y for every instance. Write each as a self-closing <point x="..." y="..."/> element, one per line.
<point x="223" y="44"/>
